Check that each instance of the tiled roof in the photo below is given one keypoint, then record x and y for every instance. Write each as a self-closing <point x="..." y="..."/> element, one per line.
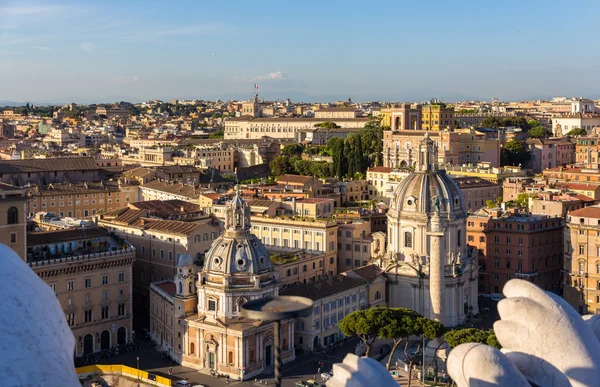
<point x="323" y="288"/>
<point x="473" y="182"/>
<point x="370" y="272"/>
<point x="47" y="237"/>
<point x="294" y="179"/>
<point x="168" y="287"/>
<point x="380" y="169"/>
<point x="177" y="169"/>
<point x="186" y="190"/>
<point x="166" y="208"/>
<point x="587" y="212"/>
<point x="76" y="188"/>
<point x="168" y="226"/>
<point x="337" y="109"/>
<point x="58" y="164"/>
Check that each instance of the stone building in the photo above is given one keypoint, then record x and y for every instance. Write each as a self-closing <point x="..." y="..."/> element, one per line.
<point x="91" y="273"/>
<point x="214" y="335"/>
<point x="516" y="245"/>
<point x="582" y="260"/>
<point x="429" y="266"/>
<point x="13" y="204"/>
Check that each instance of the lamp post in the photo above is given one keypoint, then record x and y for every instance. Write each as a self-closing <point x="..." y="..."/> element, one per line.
<point x="277" y="309"/>
<point x="138" y="366"/>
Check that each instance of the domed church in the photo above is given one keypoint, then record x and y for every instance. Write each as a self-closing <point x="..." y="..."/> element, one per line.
<point x="429" y="266"/>
<point x="208" y="326"/>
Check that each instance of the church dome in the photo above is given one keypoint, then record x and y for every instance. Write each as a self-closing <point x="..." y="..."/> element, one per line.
<point x="237" y="251"/>
<point x="185" y="260"/>
<point x="427" y="189"/>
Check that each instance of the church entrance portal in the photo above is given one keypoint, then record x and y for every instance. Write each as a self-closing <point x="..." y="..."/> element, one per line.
<point x="268" y="355"/>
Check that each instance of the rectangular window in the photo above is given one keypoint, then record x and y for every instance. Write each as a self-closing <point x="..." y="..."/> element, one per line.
<point x="212" y="305"/>
<point x="105" y="312"/>
<point x="581" y="249"/>
<point x="88" y="283"/>
<point x="121" y="310"/>
<point x="317" y="310"/>
<point x="104" y="280"/>
<point x="508" y="264"/>
<point x="70" y="285"/>
<point x="13" y="237"/>
<point x="87" y="316"/>
<point x="122" y="277"/>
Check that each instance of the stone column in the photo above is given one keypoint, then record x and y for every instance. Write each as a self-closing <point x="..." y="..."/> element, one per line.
<point x="436" y="270"/>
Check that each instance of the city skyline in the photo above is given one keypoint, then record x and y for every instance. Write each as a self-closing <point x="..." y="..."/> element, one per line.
<point x="85" y="52"/>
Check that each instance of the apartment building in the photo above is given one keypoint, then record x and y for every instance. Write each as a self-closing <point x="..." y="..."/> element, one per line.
<point x="160" y="242"/>
<point x="44" y="171"/>
<point x="220" y="158"/>
<point x="437" y="116"/>
<point x="516" y="245"/>
<point x="587" y="152"/>
<point x="382" y="181"/>
<point x="82" y="200"/>
<point x="355" y="244"/>
<point x="476" y="191"/>
<point x="582" y="260"/>
<point x="169" y="190"/>
<point x="91" y="273"/>
<point x="333" y="298"/>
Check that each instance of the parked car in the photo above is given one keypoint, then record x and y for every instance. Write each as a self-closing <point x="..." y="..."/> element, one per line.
<point x="496" y="298"/>
<point x="182" y="383"/>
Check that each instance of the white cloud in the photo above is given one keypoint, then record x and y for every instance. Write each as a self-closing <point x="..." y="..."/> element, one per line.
<point x="87" y="46"/>
<point x="126" y="79"/>
<point x="43" y="48"/>
<point x="276" y="76"/>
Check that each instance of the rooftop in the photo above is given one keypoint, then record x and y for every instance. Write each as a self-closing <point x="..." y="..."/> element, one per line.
<point x="186" y="190"/>
<point x="73" y="234"/>
<point x="473" y="182"/>
<point x="587" y="212"/>
<point x="294" y="179"/>
<point x="60" y="164"/>
<point x="324" y="288"/>
<point x="380" y="169"/>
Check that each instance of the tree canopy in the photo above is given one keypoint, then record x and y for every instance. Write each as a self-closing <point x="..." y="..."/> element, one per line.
<point x="366" y="324"/>
<point x="538" y="132"/>
<point x="471" y="335"/>
<point x="327" y="125"/>
<point x="502" y="122"/>
<point x="292" y="150"/>
<point x="515" y="152"/>
<point x="577" y="132"/>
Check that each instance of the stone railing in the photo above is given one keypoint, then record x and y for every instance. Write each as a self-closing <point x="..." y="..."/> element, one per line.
<point x="83" y="257"/>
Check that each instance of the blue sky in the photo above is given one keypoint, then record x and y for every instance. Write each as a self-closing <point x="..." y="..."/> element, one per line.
<point x="310" y="50"/>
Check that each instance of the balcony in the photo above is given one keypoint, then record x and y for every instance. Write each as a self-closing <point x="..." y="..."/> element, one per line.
<point x="526" y="275"/>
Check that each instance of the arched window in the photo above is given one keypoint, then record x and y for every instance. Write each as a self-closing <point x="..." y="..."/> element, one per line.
<point x="192" y="348"/>
<point x="12" y="215"/>
<point x="180" y="287"/>
<point x="191" y="287"/>
<point x="459" y="238"/>
<point x="408" y="240"/>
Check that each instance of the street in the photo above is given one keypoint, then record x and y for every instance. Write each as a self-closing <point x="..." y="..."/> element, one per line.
<point x="304" y="367"/>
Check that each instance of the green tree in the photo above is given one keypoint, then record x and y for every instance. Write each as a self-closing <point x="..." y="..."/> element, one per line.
<point x="340" y="162"/>
<point x="471" y="335"/>
<point x="538" y="132"/>
<point x="280" y="165"/>
<point x="400" y="324"/>
<point x="577" y="132"/>
<point x="292" y="150"/>
<point x="327" y="125"/>
<point x="218" y="134"/>
<point x="366" y="324"/>
<point x="302" y="167"/>
<point x="432" y="330"/>
<point x="515" y="152"/>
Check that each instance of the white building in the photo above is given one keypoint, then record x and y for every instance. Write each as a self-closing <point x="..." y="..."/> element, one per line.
<point x="429" y="266"/>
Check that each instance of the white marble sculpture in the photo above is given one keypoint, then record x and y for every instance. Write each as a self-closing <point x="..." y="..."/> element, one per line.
<point x="544" y="341"/>
<point x="36" y="343"/>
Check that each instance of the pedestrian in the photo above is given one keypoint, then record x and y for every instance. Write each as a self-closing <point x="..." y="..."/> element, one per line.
<point x="319" y="370"/>
<point x="227" y="379"/>
<point x="170" y="371"/>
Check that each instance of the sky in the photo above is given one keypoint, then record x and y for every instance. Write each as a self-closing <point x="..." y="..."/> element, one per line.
<point x="103" y="51"/>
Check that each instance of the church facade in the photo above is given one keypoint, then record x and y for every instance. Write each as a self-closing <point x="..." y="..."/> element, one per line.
<point x="209" y="332"/>
<point x="429" y="266"/>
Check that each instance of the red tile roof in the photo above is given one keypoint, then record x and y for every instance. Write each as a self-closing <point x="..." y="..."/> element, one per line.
<point x="168" y="287"/>
<point x="587" y="212"/>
